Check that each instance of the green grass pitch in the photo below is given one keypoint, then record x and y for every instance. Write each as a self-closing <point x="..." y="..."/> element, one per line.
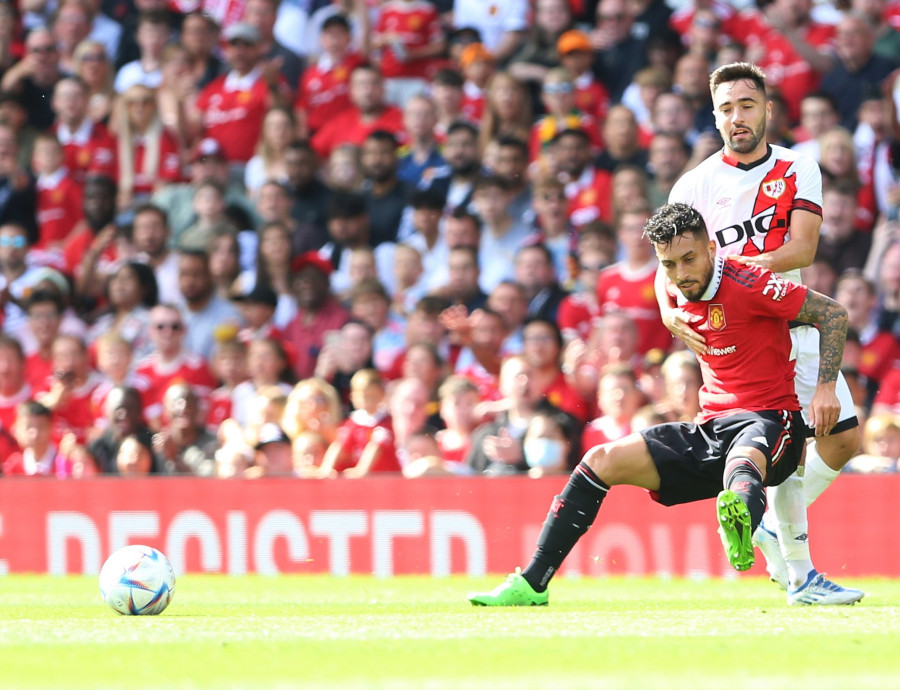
<point x="322" y="632"/>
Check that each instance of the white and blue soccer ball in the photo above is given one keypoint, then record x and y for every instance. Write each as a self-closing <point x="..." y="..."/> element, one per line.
<point x="137" y="581"/>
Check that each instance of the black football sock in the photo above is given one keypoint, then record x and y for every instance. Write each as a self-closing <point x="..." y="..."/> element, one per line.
<point x="744" y="478"/>
<point x="571" y="514"/>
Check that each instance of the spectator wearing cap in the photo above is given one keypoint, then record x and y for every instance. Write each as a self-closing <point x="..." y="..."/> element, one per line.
<point x="153" y="32"/>
<point x="421" y="156"/>
<point x="324" y="89"/>
<point x="348" y="228"/>
<point x="477" y="66"/>
<point x="231" y="109"/>
<point x="261" y="15"/>
<point x="273" y="454"/>
<point x="502" y="26"/>
<point x="370" y="112"/>
<point x="207" y="161"/>
<point x="150" y="241"/>
<point x="576" y="56"/>
<point x="318" y="311"/>
<point x="386" y="196"/>
<point x="206" y="314"/>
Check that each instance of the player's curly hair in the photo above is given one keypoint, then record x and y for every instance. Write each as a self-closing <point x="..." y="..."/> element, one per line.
<point x="672" y="220"/>
<point x="737" y="71"/>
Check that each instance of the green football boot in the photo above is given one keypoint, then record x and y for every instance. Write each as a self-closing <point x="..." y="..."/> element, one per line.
<point x="514" y="591"/>
<point x="735" y="530"/>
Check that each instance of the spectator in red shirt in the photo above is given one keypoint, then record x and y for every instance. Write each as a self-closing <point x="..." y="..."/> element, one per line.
<point x="588" y="189"/>
<point x="148" y="153"/>
<point x="369" y="113"/>
<point x="58" y="194"/>
<point x="317" y="311"/>
<point x="619" y="399"/>
<point x="542" y="350"/>
<point x="44" y="310"/>
<point x="88" y="145"/>
<point x="68" y="391"/>
<point x="324" y="87"/>
<point x="477" y="67"/>
<point x="231" y="109"/>
<point x="576" y="55"/>
<point x="580" y="311"/>
<point x="14" y="388"/>
<point x="39" y="456"/>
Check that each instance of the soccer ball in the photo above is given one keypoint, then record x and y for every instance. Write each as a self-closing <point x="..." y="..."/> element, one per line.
<point x="137" y="581"/>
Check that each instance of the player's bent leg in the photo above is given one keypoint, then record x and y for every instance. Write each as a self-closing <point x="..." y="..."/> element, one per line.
<point x="825" y="458"/>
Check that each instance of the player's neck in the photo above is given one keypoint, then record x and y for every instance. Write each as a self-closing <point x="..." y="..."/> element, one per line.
<point x="750" y="157"/>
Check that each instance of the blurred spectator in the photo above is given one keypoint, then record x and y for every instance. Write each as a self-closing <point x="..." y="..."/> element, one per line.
<point x="274" y="205"/>
<point x="267" y="366"/>
<point x="613" y="340"/>
<point x="206" y="314"/>
<point x="10" y="40"/>
<point x="630" y="189"/>
<point x="175" y="95"/>
<point x="459" y="397"/>
<point x="681" y="373"/>
<point x="386" y="196"/>
<point x="344" y="169"/>
<point x="261" y="15"/>
<point x="370" y="303"/>
<point x="621" y="137"/>
<point x="14" y="388"/>
<point x="651" y="17"/>
<point x="18" y="198"/>
<point x="170" y="362"/>
<point x="58" y="194"/>
<point x="13" y="115"/>
<point x="618" y="54"/>
<point x="130" y="295"/>
<point x="542" y="350"/>
<point x="424" y="363"/>
<point x="553" y="227"/>
<point x="273" y="274"/>
<point x="477" y="66"/>
<point x="115" y="364"/>
<point x="364" y="442"/>
<point x="691" y="78"/>
<point x="422" y="155"/>
<point x="210" y="212"/>
<point x="317" y="311"/>
<point x="501" y="27"/>
<point x="840" y="243"/>
<point x="39" y="455"/>
<point x="558" y="99"/>
<point x="229" y="367"/>
<point x="88" y="145"/>
<point x="497" y="447"/>
<point x="68" y="391"/>
<point x="269" y="161"/>
<point x="588" y="189"/>
<point x="886" y="270"/>
<point x="538" y="53"/>
<point x="480" y="336"/>
<point x="880" y="446"/>
<point x="427" y="239"/>
<point x="408" y="405"/>
<point x="837" y="160"/>
<point x="423" y="325"/>
<point x="150" y="240"/>
<point x="576" y="56"/>
<point x="579" y="311"/>
<point x="17" y="278"/>
<point x="818" y="114"/>
<point x="406" y="37"/>
<point x="536" y="273"/>
<point x="618" y="399"/>
<point x="123" y="412"/>
<point x="819" y="276"/>
<point x="35" y="75"/>
<point x="152" y="35"/>
<point x="673" y="113"/>
<point x="507" y="110"/>
<point x="345" y="352"/>
<point x="369" y="112"/>
<point x="551" y="442"/>
<point x="463" y="285"/>
<point x="509" y="300"/>
<point x="231" y="108"/>
<point x="323" y="91"/>
<point x="447" y="91"/>
<point x="183" y="446"/>
<point x="502" y="234"/>
<point x="667" y="158"/>
<point x="199" y="36"/>
<point x="148" y="155"/>
<point x="456" y="181"/>
<point x="44" y="310"/>
<point x="309" y="193"/>
<point x="207" y="163"/>
<point x="855" y="67"/>
<point x="224" y="259"/>
<point x="312" y="407"/>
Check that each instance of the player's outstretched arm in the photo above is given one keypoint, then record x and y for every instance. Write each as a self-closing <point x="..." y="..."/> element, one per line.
<point x="797" y="252"/>
<point x="677" y="320"/>
<point x="831" y="318"/>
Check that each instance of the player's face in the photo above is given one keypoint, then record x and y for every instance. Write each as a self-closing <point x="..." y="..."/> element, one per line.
<point x="741" y="112"/>
<point x="688" y="262"/>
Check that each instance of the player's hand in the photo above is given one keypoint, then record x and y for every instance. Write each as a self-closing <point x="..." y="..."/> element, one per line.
<point x="824" y="409"/>
<point x="760" y="260"/>
<point x="679" y="323"/>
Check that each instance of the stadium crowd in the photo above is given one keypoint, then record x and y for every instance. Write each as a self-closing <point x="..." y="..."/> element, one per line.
<point x="340" y="237"/>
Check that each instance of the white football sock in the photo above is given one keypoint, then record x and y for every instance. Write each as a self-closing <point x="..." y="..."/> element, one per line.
<point x="788" y="505"/>
<point x="818" y="476"/>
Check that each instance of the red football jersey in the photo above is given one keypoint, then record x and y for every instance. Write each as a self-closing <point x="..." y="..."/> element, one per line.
<point x="9" y="404"/>
<point x="576" y="316"/>
<point x="168" y="168"/>
<point x="102" y="391"/>
<point x="219" y="408"/>
<point x="89" y="149"/>
<point x="744" y="316"/>
<point x="417" y="24"/>
<point x="325" y="93"/>
<point x="591" y="97"/>
<point x="38" y="370"/>
<point x="186" y="368"/>
<point x="358" y="431"/>
<point x="590" y="197"/>
<point x="58" y="208"/>
<point x="631" y="292"/>
<point x="560" y="394"/>
<point x="233" y="116"/>
<point x="76" y="413"/>
<point x="349" y="128"/>
<point x="603" y="430"/>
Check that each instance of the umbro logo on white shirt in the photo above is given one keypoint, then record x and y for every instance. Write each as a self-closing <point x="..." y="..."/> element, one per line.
<point x="723" y="202"/>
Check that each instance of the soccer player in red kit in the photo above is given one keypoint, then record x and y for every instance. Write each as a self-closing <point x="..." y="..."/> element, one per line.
<point x="762" y="205"/>
<point x="750" y="433"/>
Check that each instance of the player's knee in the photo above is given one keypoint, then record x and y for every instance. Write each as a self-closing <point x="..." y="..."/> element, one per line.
<point x="837" y="449"/>
<point x="602" y="462"/>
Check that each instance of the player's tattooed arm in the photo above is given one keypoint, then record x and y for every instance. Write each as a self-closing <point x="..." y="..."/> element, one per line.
<point x="831" y="318"/>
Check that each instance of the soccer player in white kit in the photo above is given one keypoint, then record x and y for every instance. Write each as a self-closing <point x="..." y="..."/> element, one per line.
<point x="763" y="206"/>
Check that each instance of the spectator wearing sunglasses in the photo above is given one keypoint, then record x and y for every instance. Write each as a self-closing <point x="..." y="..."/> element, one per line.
<point x="17" y="277"/>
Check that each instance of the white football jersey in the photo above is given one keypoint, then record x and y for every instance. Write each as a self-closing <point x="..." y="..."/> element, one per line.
<point x="747" y="208"/>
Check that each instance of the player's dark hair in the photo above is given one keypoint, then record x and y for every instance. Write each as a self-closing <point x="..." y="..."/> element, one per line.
<point x="672" y="220"/>
<point x="738" y="71"/>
